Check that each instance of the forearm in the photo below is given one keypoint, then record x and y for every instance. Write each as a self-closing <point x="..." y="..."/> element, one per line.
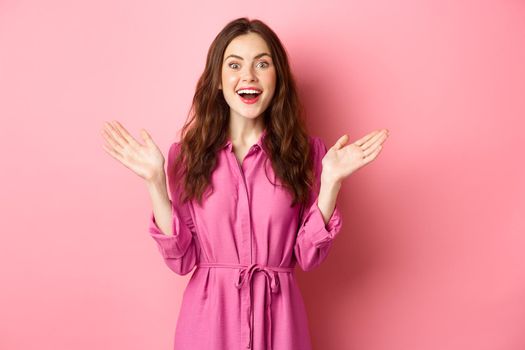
<point x="161" y="204"/>
<point x="327" y="197"/>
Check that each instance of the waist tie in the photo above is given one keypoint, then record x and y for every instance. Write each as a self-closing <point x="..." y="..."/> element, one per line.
<point x="245" y="276"/>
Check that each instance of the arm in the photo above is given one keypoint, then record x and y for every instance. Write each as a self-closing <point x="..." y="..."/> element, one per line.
<point x="161" y="204"/>
<point x="328" y="197"/>
<point x="171" y="225"/>
<point x="322" y="220"/>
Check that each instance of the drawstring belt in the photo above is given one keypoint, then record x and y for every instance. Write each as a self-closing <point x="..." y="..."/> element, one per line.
<point x="245" y="276"/>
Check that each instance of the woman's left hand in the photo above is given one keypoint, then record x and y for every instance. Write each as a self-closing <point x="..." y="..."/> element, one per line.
<point x="341" y="161"/>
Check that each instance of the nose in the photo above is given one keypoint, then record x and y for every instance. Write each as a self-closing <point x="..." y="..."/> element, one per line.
<point x="248" y="74"/>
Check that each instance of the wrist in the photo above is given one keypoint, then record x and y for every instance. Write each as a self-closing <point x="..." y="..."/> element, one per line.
<point x="157" y="181"/>
<point x="330" y="182"/>
<point x="331" y="187"/>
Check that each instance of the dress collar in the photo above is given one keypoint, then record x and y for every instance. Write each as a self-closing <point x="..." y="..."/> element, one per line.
<point x="228" y="145"/>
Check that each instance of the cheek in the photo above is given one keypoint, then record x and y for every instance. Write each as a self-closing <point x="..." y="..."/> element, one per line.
<point x="271" y="78"/>
<point x="232" y="79"/>
<point x="228" y="77"/>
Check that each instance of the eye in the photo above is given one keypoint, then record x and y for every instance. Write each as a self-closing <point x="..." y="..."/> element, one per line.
<point x="265" y="63"/>
<point x="233" y="63"/>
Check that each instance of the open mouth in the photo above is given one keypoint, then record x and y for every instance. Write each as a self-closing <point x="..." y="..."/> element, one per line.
<point x="249" y="96"/>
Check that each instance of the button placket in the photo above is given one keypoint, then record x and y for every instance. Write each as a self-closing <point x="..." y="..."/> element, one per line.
<point x="246" y="246"/>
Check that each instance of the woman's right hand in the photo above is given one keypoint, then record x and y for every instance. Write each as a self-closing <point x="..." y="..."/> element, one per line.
<point x="145" y="160"/>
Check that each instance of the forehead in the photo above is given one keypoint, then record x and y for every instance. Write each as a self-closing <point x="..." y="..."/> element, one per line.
<point x="247" y="45"/>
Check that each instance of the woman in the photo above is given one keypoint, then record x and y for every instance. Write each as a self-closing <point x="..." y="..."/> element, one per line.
<point x="252" y="195"/>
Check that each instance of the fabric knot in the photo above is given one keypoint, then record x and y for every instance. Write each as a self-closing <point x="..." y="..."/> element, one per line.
<point x="244" y="279"/>
<point x="246" y="275"/>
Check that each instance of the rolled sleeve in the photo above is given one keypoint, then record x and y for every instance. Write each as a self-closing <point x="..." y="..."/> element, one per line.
<point x="173" y="246"/>
<point x="319" y="233"/>
<point x="314" y="237"/>
<point x="180" y="250"/>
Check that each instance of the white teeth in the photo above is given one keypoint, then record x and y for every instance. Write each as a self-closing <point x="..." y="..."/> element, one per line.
<point x="248" y="91"/>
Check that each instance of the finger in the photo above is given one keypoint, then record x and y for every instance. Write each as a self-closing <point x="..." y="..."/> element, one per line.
<point x="112" y="152"/>
<point x="371" y="153"/>
<point x="117" y="156"/>
<point x="119" y="132"/>
<point x="366" y="138"/>
<point x="127" y="136"/>
<point x="116" y="134"/>
<point x="146" y="136"/>
<point x="340" y="142"/>
<point x="109" y="138"/>
<point x="377" y="138"/>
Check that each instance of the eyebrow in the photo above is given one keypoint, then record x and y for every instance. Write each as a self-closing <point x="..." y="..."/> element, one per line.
<point x="256" y="57"/>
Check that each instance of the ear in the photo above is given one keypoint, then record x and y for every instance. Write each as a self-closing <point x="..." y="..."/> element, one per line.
<point x="220" y="86"/>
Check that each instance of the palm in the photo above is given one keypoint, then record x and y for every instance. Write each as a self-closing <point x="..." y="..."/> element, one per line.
<point x="341" y="161"/>
<point x="145" y="160"/>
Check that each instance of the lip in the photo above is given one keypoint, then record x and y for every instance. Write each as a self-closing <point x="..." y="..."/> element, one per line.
<point x="249" y="87"/>
<point x="252" y="100"/>
<point x="249" y="101"/>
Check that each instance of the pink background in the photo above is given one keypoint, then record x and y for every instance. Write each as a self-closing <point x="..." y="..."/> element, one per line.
<point x="431" y="252"/>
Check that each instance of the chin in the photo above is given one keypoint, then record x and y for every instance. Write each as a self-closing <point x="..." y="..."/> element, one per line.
<point x="252" y="116"/>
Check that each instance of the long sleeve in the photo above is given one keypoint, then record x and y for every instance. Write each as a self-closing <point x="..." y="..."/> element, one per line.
<point x="314" y="238"/>
<point x="180" y="250"/>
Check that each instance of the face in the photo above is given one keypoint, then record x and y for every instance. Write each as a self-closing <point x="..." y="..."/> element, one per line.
<point x="247" y="64"/>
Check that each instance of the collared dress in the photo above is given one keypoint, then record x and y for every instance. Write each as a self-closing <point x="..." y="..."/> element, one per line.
<point x="242" y="245"/>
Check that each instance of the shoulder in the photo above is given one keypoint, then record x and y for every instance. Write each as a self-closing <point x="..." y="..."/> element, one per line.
<point x="175" y="148"/>
<point x="316" y="140"/>
<point x="317" y="146"/>
<point x="174" y="151"/>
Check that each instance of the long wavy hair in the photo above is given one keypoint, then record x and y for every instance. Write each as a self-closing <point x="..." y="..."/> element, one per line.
<point x="205" y="131"/>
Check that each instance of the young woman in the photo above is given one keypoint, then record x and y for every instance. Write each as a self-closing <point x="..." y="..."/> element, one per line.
<point x="252" y="195"/>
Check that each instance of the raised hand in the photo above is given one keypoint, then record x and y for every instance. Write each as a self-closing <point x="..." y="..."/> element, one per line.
<point x="341" y="161"/>
<point x="145" y="160"/>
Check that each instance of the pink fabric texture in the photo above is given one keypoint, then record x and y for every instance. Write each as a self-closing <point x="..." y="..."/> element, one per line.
<point x="242" y="245"/>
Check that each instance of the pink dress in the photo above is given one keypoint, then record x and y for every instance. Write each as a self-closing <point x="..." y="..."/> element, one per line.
<point x="244" y="242"/>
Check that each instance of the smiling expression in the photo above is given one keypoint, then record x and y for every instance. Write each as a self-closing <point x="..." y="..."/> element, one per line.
<point x="247" y="63"/>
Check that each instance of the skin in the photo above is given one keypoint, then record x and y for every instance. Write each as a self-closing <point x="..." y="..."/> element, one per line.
<point x="243" y="70"/>
<point x="146" y="160"/>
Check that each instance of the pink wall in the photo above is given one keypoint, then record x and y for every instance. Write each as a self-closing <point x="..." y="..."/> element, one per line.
<point x="431" y="255"/>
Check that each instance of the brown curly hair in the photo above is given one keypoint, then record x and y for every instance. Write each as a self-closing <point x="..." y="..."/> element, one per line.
<point x="286" y="141"/>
